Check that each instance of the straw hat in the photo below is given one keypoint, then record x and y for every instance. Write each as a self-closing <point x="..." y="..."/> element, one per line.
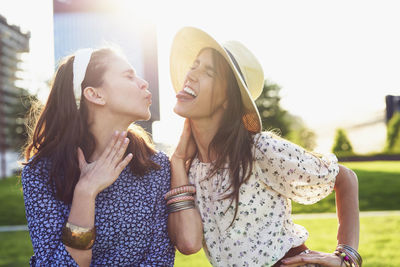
<point x="248" y="72"/>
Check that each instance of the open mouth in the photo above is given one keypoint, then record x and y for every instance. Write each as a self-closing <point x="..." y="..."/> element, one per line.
<point x="189" y="91"/>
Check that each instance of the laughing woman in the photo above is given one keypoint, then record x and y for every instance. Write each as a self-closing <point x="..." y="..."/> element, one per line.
<point x="93" y="188"/>
<point x="236" y="198"/>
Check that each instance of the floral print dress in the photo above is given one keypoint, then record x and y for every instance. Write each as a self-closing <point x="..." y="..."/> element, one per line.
<point x="263" y="230"/>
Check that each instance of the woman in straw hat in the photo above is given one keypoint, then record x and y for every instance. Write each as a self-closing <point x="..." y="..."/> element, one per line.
<point x="93" y="188"/>
<point x="241" y="180"/>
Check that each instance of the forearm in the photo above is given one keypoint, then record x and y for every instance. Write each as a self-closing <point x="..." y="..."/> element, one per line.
<point x="346" y="188"/>
<point x="82" y="214"/>
<point x="184" y="227"/>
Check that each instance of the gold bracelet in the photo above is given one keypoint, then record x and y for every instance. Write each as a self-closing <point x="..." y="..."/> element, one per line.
<point x="78" y="237"/>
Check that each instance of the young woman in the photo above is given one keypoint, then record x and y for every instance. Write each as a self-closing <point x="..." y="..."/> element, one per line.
<point x="245" y="179"/>
<point x="93" y="188"/>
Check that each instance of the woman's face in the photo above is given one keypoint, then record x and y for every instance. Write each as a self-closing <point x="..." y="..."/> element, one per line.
<point x="204" y="89"/>
<point x="126" y="94"/>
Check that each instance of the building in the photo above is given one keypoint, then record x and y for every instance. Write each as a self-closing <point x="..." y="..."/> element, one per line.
<point x="392" y="106"/>
<point x="92" y="23"/>
<point x="13" y="42"/>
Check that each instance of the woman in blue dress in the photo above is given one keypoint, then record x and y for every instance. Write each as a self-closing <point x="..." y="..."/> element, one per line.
<point x="93" y="186"/>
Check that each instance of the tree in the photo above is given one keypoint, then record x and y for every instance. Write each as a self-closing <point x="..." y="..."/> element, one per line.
<point x="393" y="134"/>
<point x="342" y="145"/>
<point x="300" y="134"/>
<point x="275" y="118"/>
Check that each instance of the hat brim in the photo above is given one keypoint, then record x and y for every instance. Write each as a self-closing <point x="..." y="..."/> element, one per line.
<point x="187" y="44"/>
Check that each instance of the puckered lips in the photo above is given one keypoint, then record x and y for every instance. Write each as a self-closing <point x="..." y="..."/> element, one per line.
<point x="186" y="94"/>
<point x="148" y="98"/>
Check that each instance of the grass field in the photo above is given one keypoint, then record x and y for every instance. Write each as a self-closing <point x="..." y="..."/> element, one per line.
<point x="379" y="186"/>
<point x="12" y="208"/>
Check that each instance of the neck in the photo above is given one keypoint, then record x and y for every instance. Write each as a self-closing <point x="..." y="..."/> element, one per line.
<point x="204" y="131"/>
<point x="103" y="126"/>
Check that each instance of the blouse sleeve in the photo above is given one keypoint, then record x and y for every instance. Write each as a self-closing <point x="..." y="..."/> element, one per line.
<point x="46" y="216"/>
<point x="294" y="172"/>
<point x="162" y="252"/>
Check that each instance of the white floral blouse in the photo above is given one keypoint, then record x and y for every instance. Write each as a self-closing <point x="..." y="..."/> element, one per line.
<point x="263" y="230"/>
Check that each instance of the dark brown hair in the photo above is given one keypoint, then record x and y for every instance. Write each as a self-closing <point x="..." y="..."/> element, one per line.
<point x="61" y="128"/>
<point x="232" y="143"/>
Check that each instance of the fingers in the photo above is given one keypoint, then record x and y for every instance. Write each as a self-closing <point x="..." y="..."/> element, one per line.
<point x="117" y="146"/>
<point x="81" y="158"/>
<point x="124" y="163"/>
<point x="110" y="145"/>
<point x="324" y="259"/>
<point x="121" y="150"/>
<point x="187" y="130"/>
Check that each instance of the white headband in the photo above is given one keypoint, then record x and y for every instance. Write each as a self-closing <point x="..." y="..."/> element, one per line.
<point x="81" y="61"/>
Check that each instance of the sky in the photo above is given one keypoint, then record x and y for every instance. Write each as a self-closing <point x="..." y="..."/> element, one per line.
<point x="335" y="60"/>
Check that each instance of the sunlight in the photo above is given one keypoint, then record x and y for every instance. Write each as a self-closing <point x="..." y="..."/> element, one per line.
<point x="332" y="72"/>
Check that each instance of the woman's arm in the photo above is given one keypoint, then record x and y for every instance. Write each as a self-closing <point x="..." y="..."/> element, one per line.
<point x="346" y="188"/>
<point x="94" y="178"/>
<point x="82" y="214"/>
<point x="185" y="227"/>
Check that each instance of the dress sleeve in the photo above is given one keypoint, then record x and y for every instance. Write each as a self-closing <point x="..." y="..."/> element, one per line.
<point x="162" y="252"/>
<point x="292" y="171"/>
<point x="46" y="216"/>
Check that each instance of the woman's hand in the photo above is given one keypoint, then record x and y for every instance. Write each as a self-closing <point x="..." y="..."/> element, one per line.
<point x="186" y="147"/>
<point x="100" y="174"/>
<point x="316" y="257"/>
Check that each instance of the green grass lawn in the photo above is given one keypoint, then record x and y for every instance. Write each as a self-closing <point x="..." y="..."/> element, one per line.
<point x="379" y="188"/>
<point x="379" y="239"/>
<point x="12" y="208"/>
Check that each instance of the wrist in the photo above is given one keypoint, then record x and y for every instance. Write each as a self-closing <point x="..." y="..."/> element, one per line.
<point x="83" y="189"/>
<point x="177" y="160"/>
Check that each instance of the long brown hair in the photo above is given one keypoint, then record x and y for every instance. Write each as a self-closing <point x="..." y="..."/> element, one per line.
<point x="233" y="142"/>
<point x="61" y="128"/>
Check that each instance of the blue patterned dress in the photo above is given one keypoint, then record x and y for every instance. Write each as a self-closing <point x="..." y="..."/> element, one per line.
<point x="130" y="219"/>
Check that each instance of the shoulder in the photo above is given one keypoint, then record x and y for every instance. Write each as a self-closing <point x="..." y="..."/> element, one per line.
<point x="271" y="144"/>
<point x="264" y="140"/>
<point x="36" y="168"/>
<point x="35" y="176"/>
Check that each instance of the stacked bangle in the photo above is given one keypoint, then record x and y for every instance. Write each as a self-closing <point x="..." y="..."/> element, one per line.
<point x="179" y="190"/>
<point x="180" y="198"/>
<point x="78" y="237"/>
<point x="350" y="256"/>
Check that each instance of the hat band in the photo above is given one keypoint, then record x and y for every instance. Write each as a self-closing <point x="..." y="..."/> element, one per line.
<point x="236" y="65"/>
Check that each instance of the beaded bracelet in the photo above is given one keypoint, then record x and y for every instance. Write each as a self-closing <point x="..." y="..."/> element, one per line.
<point x="180" y="199"/>
<point x="179" y="195"/>
<point x="345" y="259"/>
<point x="78" y="237"/>
<point x="351" y="252"/>
<point x="180" y="190"/>
<point x="349" y="255"/>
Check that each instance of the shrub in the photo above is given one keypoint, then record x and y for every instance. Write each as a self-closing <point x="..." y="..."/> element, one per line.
<point x="393" y="134"/>
<point x="342" y="145"/>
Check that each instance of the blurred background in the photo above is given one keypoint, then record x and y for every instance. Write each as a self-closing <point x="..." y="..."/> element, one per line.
<point x="328" y="65"/>
<point x="332" y="85"/>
